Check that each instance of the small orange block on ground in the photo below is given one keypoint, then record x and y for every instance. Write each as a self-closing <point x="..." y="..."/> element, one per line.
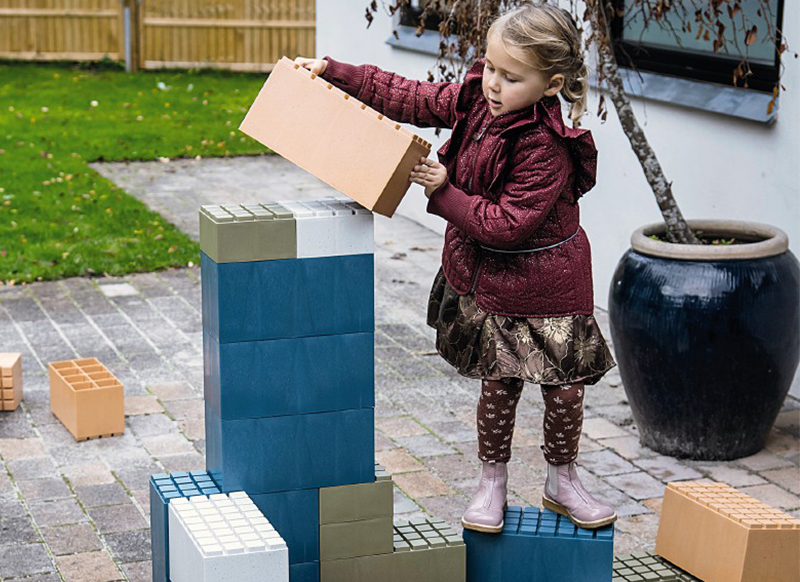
<point x="340" y="140"/>
<point x="719" y="534"/>
<point x="87" y="398"/>
<point x="10" y="381"/>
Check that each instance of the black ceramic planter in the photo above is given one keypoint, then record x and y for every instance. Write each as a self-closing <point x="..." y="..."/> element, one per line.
<point x="707" y="338"/>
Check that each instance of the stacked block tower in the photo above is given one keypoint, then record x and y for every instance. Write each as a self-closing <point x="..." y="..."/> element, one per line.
<point x="288" y="331"/>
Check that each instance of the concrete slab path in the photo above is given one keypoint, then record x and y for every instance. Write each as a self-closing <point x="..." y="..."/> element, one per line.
<point x="79" y="511"/>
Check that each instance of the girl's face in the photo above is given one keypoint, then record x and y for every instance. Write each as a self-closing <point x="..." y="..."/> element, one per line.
<point x="510" y="84"/>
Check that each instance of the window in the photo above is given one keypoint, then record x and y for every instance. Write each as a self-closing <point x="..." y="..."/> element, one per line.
<point x="665" y="48"/>
<point x="410" y="15"/>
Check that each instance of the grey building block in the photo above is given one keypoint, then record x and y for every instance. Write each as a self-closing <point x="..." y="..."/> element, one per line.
<point x="247" y="232"/>
<point x="422" y="553"/>
<point x="352" y="539"/>
<point x="357" y="502"/>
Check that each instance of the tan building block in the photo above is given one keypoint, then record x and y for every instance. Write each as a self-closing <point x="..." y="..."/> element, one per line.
<point x="341" y="141"/>
<point x="87" y="398"/>
<point x="10" y="381"/>
<point x="719" y="534"/>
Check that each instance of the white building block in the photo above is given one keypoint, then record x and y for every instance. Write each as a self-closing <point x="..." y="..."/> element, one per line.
<point x="224" y="539"/>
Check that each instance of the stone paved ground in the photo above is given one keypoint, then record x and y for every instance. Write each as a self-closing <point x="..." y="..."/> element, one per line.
<point x="78" y="511"/>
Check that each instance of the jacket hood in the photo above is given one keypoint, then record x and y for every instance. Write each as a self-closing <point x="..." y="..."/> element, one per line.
<point x="548" y="111"/>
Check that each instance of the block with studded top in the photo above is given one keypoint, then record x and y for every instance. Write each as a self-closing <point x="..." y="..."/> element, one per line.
<point x="87" y="398"/>
<point x="341" y="141"/>
<point x="10" y="381"/>
<point x="423" y="551"/>
<point x="247" y="232"/>
<point x="224" y="538"/>
<point x="717" y="534"/>
<point x="531" y="537"/>
<point x="164" y="487"/>
<point x="648" y="567"/>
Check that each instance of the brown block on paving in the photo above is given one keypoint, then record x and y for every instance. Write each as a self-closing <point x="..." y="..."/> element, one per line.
<point x="719" y="534"/>
<point x="340" y="140"/>
<point x="87" y="398"/>
<point x="10" y="381"/>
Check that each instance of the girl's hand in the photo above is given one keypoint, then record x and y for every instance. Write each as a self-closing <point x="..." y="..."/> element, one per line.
<point x="429" y="174"/>
<point x="316" y="66"/>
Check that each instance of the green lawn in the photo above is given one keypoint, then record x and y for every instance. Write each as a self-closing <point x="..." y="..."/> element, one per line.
<point x="58" y="217"/>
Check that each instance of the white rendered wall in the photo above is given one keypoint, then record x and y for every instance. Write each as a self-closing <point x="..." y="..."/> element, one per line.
<point x="720" y="167"/>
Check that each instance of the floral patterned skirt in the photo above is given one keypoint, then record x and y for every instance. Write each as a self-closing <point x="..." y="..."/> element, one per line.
<point x="542" y="350"/>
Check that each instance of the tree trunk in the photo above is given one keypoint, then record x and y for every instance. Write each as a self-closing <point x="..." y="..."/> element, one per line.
<point x="677" y="229"/>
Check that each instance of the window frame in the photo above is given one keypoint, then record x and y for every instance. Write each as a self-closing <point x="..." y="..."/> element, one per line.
<point x="699" y="67"/>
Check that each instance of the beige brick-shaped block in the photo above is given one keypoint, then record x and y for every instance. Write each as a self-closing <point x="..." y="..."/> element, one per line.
<point x="10" y="381"/>
<point x="344" y="143"/>
<point x="719" y="534"/>
<point x="87" y="398"/>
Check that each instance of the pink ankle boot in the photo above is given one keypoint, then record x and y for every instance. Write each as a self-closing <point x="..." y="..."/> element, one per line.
<point x="487" y="509"/>
<point x="564" y="493"/>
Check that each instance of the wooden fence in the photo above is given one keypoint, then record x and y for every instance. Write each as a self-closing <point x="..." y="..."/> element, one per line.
<point x="241" y="35"/>
<point x="75" y="30"/>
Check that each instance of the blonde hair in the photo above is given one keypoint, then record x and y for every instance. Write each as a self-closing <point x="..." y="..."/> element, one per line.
<point x="549" y="38"/>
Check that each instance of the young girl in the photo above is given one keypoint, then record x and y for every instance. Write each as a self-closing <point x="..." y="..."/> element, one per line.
<point x="513" y="301"/>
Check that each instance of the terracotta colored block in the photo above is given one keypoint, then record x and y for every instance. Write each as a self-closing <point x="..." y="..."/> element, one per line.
<point x="718" y="534"/>
<point x="87" y="398"/>
<point x="10" y="381"/>
<point x="341" y="141"/>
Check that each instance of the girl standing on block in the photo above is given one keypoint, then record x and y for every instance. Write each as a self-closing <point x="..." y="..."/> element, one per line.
<point x="513" y="301"/>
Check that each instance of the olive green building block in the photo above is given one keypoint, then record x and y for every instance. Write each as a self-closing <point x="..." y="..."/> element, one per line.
<point x="648" y="567"/>
<point x="351" y="539"/>
<point x="358" y="502"/>
<point x="240" y="233"/>
<point x="424" y="551"/>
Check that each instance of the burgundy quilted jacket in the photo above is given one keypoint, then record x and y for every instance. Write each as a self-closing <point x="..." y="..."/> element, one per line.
<point x="513" y="184"/>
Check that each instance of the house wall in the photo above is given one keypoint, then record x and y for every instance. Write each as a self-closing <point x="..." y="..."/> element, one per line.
<point x="719" y="166"/>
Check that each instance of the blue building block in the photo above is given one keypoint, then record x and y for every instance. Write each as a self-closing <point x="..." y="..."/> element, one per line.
<point x="295" y="516"/>
<point x="540" y="546"/>
<point x="308" y="572"/>
<point x="289" y="376"/>
<point x="288" y="298"/>
<point x="163" y="488"/>
<point x="282" y="453"/>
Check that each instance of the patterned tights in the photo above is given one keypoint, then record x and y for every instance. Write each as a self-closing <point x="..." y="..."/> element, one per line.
<point x="563" y="420"/>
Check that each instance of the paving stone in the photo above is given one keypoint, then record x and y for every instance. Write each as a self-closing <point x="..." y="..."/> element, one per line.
<point x="449" y="508"/>
<point x="773" y="496"/>
<point x="99" y="495"/>
<point x="606" y="463"/>
<point x="59" y="512"/>
<point x="26" y="448"/>
<point x="144" y="404"/>
<point x="71" y="539"/>
<point x="668" y="469"/>
<point x="89" y="567"/>
<point x="398" y="461"/>
<point x="600" y="428"/>
<point x="789" y="420"/>
<point x="788" y="478"/>
<point x="421" y="485"/>
<point x="401" y="426"/>
<point x="130" y="546"/>
<point x="118" y="290"/>
<point x="19" y="560"/>
<point x="37" y="468"/>
<point x="81" y="474"/>
<point x="627" y="447"/>
<point x="11" y="508"/>
<point x="426" y="445"/>
<point x="41" y="489"/>
<point x="117" y="518"/>
<point x="763" y="461"/>
<point x="193" y="429"/>
<point x="182" y="409"/>
<point x="638" y="485"/>
<point x="16" y="531"/>
<point x="173" y="391"/>
<point x="138" y="571"/>
<point x="152" y="425"/>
